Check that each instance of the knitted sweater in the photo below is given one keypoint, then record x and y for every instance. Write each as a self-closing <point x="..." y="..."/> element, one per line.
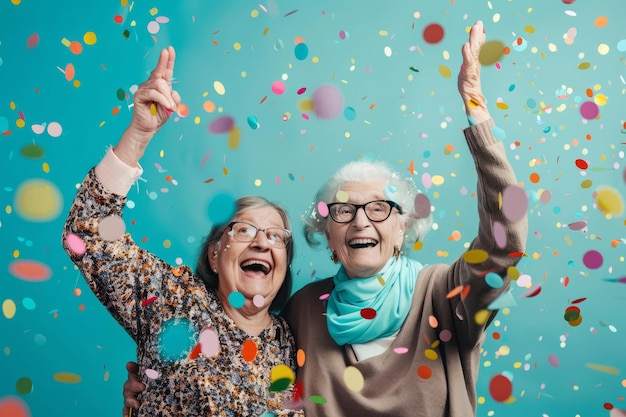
<point x="431" y="368"/>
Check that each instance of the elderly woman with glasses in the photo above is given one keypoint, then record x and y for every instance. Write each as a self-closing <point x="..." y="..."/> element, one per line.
<point x="207" y="344"/>
<point x="388" y="336"/>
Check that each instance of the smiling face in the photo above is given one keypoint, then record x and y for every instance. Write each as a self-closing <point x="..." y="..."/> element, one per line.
<point x="363" y="246"/>
<point x="251" y="268"/>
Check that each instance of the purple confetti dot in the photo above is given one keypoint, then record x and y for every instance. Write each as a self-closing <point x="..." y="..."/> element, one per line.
<point x="514" y="203"/>
<point x="589" y="110"/>
<point x="592" y="259"/>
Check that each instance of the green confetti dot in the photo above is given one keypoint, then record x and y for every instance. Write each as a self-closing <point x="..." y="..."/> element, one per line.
<point x="317" y="399"/>
<point x="32" y="151"/>
<point x="24" y="386"/>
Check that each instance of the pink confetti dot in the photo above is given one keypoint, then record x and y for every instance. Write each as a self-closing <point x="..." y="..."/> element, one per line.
<point x="322" y="209"/>
<point x="514" y="203"/>
<point x="278" y="87"/>
<point x="209" y="342"/>
<point x="327" y="102"/>
<point x="589" y="110"/>
<point x="592" y="259"/>
<point x="422" y="206"/>
<point x="553" y="360"/>
<point x="75" y="243"/>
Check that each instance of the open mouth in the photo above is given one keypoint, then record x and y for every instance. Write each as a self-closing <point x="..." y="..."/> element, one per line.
<point x="362" y="243"/>
<point x="255" y="265"/>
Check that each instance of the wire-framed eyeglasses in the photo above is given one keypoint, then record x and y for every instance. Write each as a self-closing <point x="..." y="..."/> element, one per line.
<point x="246" y="232"/>
<point x="376" y="211"/>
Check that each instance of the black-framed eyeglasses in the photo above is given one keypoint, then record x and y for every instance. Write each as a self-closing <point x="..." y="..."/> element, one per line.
<point x="246" y="232"/>
<point x="376" y="211"/>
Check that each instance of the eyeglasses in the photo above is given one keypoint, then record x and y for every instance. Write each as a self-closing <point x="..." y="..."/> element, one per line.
<point x="376" y="211"/>
<point x="246" y="232"/>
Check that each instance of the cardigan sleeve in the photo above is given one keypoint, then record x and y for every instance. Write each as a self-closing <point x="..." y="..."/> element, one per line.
<point x="121" y="275"/>
<point x="500" y="241"/>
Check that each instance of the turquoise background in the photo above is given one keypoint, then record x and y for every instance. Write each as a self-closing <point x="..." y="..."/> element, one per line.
<point x="56" y="326"/>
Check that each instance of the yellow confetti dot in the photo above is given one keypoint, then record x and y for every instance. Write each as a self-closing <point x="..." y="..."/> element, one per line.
<point x="237" y="46"/>
<point x="219" y="88"/>
<point x="90" y="38"/>
<point x="431" y="354"/>
<point x="481" y="317"/>
<point x="475" y="256"/>
<point x="445" y="71"/>
<point x="609" y="201"/>
<point x="9" y="308"/>
<point x="490" y="53"/>
<point x="353" y="379"/>
<point x="234" y="137"/>
<point x="281" y="372"/>
<point x="342" y="196"/>
<point x="67" y="377"/>
<point x="167" y="243"/>
<point x="153" y="109"/>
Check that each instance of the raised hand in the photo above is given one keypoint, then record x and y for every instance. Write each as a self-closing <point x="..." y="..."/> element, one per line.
<point x="154" y="102"/>
<point x="469" y="76"/>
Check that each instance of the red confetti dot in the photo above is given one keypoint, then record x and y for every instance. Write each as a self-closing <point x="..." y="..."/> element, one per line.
<point x="424" y="372"/>
<point x="368" y="313"/>
<point x="118" y="19"/>
<point x="500" y="388"/>
<point x="608" y="406"/>
<point x="433" y="33"/>
<point x="32" y="41"/>
<point x="582" y="164"/>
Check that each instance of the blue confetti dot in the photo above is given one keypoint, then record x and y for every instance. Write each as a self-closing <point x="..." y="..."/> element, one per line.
<point x="253" y="122"/>
<point x="493" y="280"/>
<point x="221" y="208"/>
<point x="236" y="299"/>
<point x="176" y="340"/>
<point x="301" y="51"/>
<point x="349" y="113"/>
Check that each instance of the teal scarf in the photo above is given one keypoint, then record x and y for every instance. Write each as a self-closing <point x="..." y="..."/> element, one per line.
<point x="389" y="297"/>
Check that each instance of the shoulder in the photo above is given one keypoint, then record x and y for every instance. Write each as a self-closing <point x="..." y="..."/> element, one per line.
<point x="314" y="289"/>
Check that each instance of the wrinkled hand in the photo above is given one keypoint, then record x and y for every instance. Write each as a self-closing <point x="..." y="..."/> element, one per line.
<point x="469" y="76"/>
<point x="132" y="387"/>
<point x="153" y="103"/>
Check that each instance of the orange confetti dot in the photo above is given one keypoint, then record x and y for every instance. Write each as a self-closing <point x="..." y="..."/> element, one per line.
<point x="69" y="72"/>
<point x="214" y="42"/>
<point x="301" y="357"/>
<point x="183" y="110"/>
<point x="534" y="178"/>
<point x="208" y="106"/>
<point x="77" y="292"/>
<point x="115" y="110"/>
<point x="455" y="292"/>
<point x="424" y="372"/>
<point x="249" y="350"/>
<point x="372" y="106"/>
<point x="76" y="47"/>
<point x="298" y="40"/>
<point x="601" y="21"/>
<point x="589" y="92"/>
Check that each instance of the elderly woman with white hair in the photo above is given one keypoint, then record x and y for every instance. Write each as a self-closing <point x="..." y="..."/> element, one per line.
<point x="386" y="335"/>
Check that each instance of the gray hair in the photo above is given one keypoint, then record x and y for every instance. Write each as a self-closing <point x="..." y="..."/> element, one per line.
<point x="211" y="279"/>
<point x="401" y="190"/>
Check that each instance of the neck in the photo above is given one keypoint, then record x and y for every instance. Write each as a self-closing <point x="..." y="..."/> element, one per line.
<point x="250" y="319"/>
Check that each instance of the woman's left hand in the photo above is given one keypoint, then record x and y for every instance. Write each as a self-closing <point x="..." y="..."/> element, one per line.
<point x="469" y="76"/>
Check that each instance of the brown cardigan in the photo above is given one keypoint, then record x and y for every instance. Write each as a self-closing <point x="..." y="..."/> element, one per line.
<point x="393" y="386"/>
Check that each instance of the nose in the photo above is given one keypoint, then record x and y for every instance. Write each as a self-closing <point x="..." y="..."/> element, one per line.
<point x="261" y="242"/>
<point x="360" y="218"/>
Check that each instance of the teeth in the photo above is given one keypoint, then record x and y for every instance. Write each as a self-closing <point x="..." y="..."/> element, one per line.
<point x="363" y="242"/>
<point x="255" y="262"/>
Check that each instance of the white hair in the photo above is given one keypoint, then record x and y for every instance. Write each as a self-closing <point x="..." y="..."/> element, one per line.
<point x="401" y="190"/>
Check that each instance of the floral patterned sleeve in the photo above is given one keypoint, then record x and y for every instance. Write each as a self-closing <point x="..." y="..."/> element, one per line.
<point x="118" y="272"/>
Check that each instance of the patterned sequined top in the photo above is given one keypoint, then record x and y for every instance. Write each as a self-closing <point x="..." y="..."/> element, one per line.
<point x="193" y="358"/>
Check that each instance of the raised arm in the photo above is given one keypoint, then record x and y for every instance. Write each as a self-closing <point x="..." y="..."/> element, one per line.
<point x="501" y="239"/>
<point x="119" y="272"/>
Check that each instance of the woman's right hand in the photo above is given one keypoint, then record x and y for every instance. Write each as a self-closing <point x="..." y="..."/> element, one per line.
<point x="132" y="388"/>
<point x="153" y="103"/>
